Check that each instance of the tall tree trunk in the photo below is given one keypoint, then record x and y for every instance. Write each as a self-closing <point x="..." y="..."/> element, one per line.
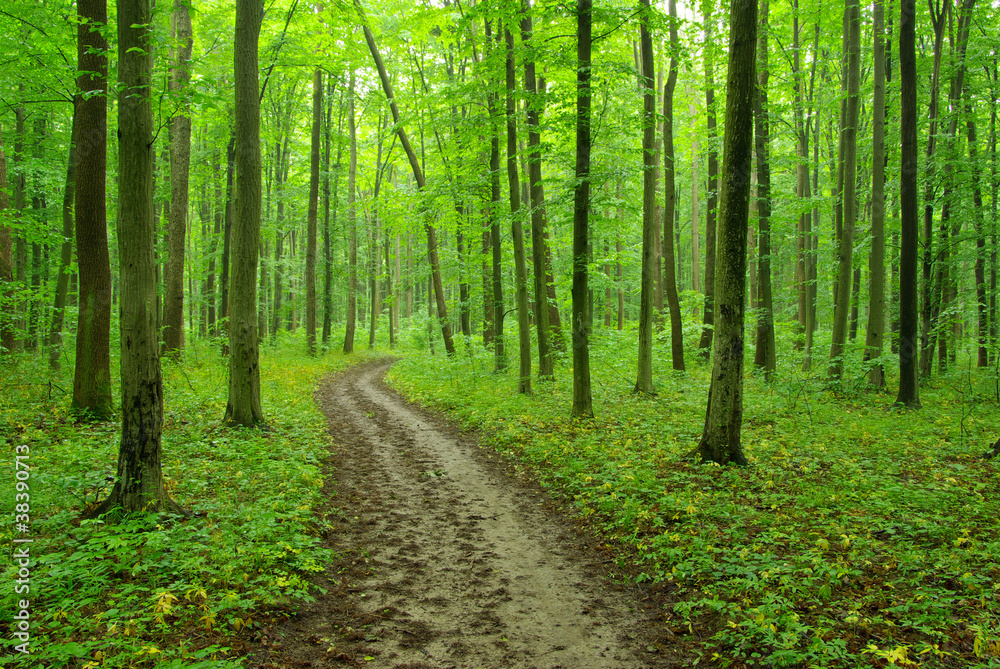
<point x="546" y="368"/>
<point x="227" y="238"/>
<point x="418" y="176"/>
<point x="328" y="195"/>
<point x="711" y="204"/>
<point x="313" y="211"/>
<point x="179" y="130"/>
<point x="244" y="406"/>
<point x="849" y="138"/>
<point x="644" y="374"/>
<point x="139" y="485"/>
<point x="720" y="441"/>
<point x="909" y="341"/>
<point x="982" y="313"/>
<point x="582" y="401"/>
<point x="670" y="202"/>
<point x="6" y="258"/>
<point x="213" y="246"/>
<point x="352" y="225"/>
<point x="92" y="372"/>
<point x="764" y="355"/>
<point x="65" y="255"/>
<point x="801" y="174"/>
<point x="520" y="268"/>
<point x="500" y="355"/>
<point x="876" y="261"/>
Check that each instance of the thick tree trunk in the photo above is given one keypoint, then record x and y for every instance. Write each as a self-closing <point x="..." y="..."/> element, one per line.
<point x="139" y="486"/>
<point x="313" y="211"/>
<point x="92" y="373"/>
<point x="876" y="261"/>
<point x="909" y="342"/>
<point x="670" y="203"/>
<point x="244" y="406"/>
<point x="720" y="441"/>
<point x="764" y="355"/>
<point x="352" y="225"/>
<point x="179" y="131"/>
<point x="582" y="401"/>
<point x="849" y="139"/>
<point x="644" y="374"/>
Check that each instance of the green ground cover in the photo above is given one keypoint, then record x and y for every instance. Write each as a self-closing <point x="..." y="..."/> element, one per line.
<point x="857" y="537"/>
<point x="159" y="591"/>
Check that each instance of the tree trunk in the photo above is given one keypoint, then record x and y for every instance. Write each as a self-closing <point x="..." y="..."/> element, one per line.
<point x="720" y="441"/>
<point x="179" y="131"/>
<point x="582" y="402"/>
<point x="418" y="176"/>
<point x="708" y="319"/>
<point x="139" y="486"/>
<point x="227" y="238"/>
<point x="546" y="369"/>
<point x="244" y="406"/>
<point x="6" y="258"/>
<point x="65" y="255"/>
<point x="670" y="203"/>
<point x="520" y="268"/>
<point x="92" y="373"/>
<point x="876" y="261"/>
<point x="313" y="211"/>
<point x="909" y="342"/>
<point x="849" y="138"/>
<point x="500" y="356"/>
<point x="352" y="225"/>
<point x="327" y="195"/>
<point x="764" y="355"/>
<point x="644" y="374"/>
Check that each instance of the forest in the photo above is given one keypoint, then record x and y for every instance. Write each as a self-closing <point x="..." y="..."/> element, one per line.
<point x="719" y="279"/>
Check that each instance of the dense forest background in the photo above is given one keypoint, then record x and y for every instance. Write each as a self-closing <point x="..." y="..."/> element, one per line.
<point x="790" y="208"/>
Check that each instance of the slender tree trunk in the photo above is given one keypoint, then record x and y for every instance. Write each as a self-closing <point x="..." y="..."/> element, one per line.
<point x="227" y="237"/>
<point x="92" y="372"/>
<point x="546" y="369"/>
<point x="720" y="441"/>
<point x="494" y="222"/>
<point x="139" y="485"/>
<point x="670" y="202"/>
<point x="582" y="401"/>
<point x="244" y="406"/>
<point x="520" y="268"/>
<point x="909" y="341"/>
<point x="644" y="375"/>
<point x="849" y="138"/>
<point x="352" y="262"/>
<point x="982" y="313"/>
<point x="876" y="261"/>
<point x="764" y="355"/>
<point x="65" y="255"/>
<point x="313" y="211"/>
<point x="213" y="246"/>
<point x="327" y="246"/>
<point x="6" y="257"/>
<point x="711" y="204"/>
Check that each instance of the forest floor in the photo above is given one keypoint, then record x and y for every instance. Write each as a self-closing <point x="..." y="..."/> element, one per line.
<point x="447" y="555"/>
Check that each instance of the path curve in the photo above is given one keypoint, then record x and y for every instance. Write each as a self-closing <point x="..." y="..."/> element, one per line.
<point x="444" y="560"/>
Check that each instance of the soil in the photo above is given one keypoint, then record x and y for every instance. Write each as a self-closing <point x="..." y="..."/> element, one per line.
<point x="447" y="555"/>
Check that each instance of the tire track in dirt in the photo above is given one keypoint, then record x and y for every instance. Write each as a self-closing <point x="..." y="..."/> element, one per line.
<point x="443" y="559"/>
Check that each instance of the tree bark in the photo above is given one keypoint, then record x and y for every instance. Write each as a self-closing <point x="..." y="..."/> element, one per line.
<point x="720" y="441"/>
<point x="65" y="255"/>
<point x="313" y="211"/>
<point x="909" y="341"/>
<point x="644" y="373"/>
<point x="92" y="372"/>
<point x="139" y="486"/>
<point x="244" y="406"/>
<point x="500" y="354"/>
<point x="876" y="261"/>
<point x="849" y="139"/>
<point x="764" y="355"/>
<point x="670" y="202"/>
<point x="711" y="203"/>
<point x="6" y="259"/>
<point x="582" y="401"/>
<point x="352" y="225"/>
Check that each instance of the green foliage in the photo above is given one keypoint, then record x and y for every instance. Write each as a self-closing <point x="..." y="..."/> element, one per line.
<point x="858" y="536"/>
<point x="169" y="592"/>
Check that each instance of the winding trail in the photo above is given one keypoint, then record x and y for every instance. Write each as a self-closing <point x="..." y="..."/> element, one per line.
<point x="446" y="560"/>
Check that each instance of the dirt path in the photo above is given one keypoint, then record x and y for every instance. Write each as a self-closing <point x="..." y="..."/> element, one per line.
<point x="444" y="560"/>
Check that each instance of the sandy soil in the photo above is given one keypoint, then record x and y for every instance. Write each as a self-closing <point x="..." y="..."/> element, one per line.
<point x="447" y="559"/>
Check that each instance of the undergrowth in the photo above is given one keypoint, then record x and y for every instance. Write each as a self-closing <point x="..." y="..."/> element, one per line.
<point x="858" y="537"/>
<point x="162" y="591"/>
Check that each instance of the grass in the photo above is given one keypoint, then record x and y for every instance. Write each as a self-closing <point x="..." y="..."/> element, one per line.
<point x="857" y="537"/>
<point x="157" y="591"/>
